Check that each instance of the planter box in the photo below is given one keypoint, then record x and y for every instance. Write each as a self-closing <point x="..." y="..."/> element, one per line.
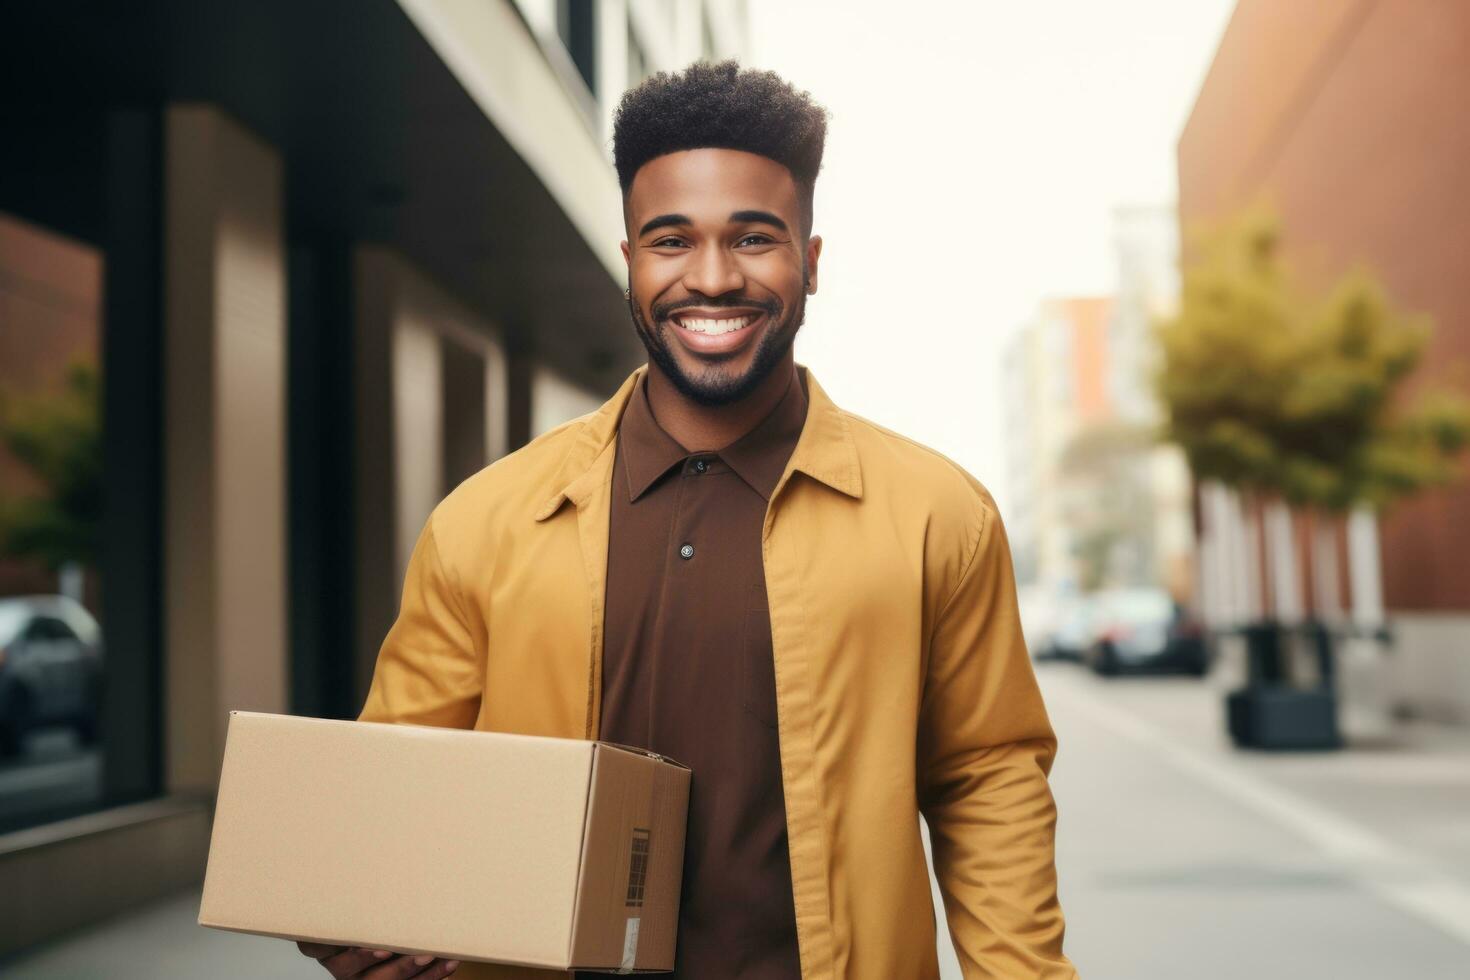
<point x="1281" y="717"/>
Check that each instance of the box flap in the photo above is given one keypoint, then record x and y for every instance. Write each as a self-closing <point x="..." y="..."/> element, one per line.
<point x="644" y="752"/>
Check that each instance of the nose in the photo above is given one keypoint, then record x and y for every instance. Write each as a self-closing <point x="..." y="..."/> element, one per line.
<point x="713" y="272"/>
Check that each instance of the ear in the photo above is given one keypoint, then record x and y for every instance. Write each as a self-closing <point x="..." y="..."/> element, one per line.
<point x="813" y="254"/>
<point x="627" y="254"/>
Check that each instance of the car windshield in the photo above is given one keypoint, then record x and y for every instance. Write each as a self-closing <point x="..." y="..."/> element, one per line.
<point x="13" y="616"/>
<point x="1139" y="607"/>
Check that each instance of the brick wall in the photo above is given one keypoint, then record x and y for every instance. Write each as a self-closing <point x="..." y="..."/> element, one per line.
<point x="50" y="315"/>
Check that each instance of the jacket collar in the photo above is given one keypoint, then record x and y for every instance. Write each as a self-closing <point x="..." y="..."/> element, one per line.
<point x="825" y="451"/>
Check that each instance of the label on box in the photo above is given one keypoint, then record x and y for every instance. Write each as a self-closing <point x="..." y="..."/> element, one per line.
<point x="630" y="945"/>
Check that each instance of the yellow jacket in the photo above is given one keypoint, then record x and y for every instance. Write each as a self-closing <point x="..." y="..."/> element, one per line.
<point x="903" y="685"/>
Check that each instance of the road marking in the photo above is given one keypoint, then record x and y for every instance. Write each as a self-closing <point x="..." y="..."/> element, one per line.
<point x="1395" y="874"/>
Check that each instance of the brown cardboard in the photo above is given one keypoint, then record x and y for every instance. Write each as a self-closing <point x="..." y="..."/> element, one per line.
<point x="473" y="845"/>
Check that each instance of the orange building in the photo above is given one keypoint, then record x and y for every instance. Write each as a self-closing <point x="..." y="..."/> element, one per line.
<point x="1087" y="317"/>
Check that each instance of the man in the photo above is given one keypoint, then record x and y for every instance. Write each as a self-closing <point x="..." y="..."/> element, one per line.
<point x="815" y="614"/>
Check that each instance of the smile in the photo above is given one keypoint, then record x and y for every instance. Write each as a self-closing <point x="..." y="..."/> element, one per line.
<point x="713" y="325"/>
<point x="716" y="332"/>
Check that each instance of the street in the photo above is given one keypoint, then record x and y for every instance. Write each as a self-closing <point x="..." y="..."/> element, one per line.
<point x="1178" y="856"/>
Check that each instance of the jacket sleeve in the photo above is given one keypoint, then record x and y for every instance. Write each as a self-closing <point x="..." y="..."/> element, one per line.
<point x="428" y="670"/>
<point x="985" y="752"/>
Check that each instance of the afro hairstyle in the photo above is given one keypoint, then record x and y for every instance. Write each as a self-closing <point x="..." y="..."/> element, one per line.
<point x="721" y="106"/>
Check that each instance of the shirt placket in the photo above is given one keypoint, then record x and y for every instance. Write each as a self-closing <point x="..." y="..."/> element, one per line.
<point x="672" y="590"/>
<point x="683" y="547"/>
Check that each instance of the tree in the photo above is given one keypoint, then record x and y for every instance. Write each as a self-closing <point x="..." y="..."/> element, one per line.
<point x="1286" y="396"/>
<point x="1228" y="356"/>
<point x="58" y="437"/>
<point x="1269" y="390"/>
<point x="1103" y="473"/>
<point x="1349" y="437"/>
<point x="1299" y="401"/>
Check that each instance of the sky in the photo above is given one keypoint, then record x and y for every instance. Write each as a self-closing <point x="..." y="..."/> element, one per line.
<point x="975" y="153"/>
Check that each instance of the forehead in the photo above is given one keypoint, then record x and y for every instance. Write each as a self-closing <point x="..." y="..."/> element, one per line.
<point x="708" y="184"/>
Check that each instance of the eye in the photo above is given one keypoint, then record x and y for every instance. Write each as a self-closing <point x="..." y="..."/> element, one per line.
<point x="754" y="238"/>
<point x="668" y="241"/>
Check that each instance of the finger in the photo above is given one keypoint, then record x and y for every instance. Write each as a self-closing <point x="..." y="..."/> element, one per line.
<point x="353" y="960"/>
<point x="319" y="951"/>
<point x="420" y="967"/>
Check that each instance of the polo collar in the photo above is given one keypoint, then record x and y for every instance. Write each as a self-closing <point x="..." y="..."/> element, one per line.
<point x="758" y="457"/>
<point x="825" y="450"/>
<point x="648" y="450"/>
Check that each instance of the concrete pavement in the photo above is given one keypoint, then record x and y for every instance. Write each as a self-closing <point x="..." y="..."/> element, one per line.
<point x="1178" y="856"/>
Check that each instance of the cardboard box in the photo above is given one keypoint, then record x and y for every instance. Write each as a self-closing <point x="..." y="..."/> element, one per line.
<point x="541" y="852"/>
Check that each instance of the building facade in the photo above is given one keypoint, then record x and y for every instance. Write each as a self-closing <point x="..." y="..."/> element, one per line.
<point x="1347" y="120"/>
<point x="326" y="260"/>
<point x="1096" y="501"/>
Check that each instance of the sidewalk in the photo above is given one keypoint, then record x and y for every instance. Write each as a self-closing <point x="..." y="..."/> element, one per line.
<point x="1179" y="855"/>
<point x="163" y="942"/>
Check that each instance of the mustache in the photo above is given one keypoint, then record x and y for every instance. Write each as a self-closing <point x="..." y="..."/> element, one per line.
<point x="662" y="311"/>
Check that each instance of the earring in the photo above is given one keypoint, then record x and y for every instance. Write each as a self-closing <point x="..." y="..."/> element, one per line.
<point x="627" y="295"/>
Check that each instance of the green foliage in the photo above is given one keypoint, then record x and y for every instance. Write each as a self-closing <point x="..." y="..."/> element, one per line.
<point x="57" y="436"/>
<point x="1103" y="472"/>
<point x="1271" y="391"/>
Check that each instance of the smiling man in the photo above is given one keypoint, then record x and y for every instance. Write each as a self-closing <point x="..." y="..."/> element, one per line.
<point x="815" y="614"/>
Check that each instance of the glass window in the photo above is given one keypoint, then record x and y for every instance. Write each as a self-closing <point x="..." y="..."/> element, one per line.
<point x="576" y="25"/>
<point x="47" y="628"/>
<point x="50" y="523"/>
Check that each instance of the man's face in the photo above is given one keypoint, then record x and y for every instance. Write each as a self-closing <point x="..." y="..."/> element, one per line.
<point x="717" y="268"/>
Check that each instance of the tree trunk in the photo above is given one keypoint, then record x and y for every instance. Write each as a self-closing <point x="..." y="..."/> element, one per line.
<point x="1326" y="581"/>
<point x="1365" y="570"/>
<point x="1252" y="565"/>
<point x="1285" y="578"/>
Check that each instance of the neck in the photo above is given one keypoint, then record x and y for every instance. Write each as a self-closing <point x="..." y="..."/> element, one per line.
<point x="704" y="428"/>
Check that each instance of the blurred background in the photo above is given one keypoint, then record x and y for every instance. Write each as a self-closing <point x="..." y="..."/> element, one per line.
<point x="1184" y="284"/>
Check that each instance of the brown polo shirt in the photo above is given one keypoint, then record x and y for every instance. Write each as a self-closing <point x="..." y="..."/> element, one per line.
<point x="687" y="672"/>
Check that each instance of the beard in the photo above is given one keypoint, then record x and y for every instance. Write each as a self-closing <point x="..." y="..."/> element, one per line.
<point x="713" y="386"/>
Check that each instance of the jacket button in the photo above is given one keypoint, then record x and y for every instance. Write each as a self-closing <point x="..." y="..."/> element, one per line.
<point x="686" y="551"/>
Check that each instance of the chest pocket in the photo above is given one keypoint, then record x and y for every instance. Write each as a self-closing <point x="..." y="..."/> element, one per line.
<point x="758" y="670"/>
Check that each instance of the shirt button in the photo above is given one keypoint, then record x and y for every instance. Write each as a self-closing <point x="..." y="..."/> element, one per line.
<point x="699" y="467"/>
<point x="686" y="551"/>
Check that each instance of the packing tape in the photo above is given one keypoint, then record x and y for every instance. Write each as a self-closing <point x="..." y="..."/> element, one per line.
<point x="630" y="945"/>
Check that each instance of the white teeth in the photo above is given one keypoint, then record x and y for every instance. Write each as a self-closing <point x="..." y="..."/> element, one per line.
<point x="728" y="325"/>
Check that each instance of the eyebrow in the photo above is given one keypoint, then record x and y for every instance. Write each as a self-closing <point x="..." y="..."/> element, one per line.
<point x="763" y="217"/>
<point x="664" y="221"/>
<point x="737" y="217"/>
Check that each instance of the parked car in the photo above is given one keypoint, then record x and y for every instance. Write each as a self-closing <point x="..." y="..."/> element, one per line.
<point x="1144" y="630"/>
<point x="1072" y="628"/>
<point x="50" y="668"/>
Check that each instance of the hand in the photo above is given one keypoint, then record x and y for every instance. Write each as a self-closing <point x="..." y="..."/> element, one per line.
<point x="362" y="963"/>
